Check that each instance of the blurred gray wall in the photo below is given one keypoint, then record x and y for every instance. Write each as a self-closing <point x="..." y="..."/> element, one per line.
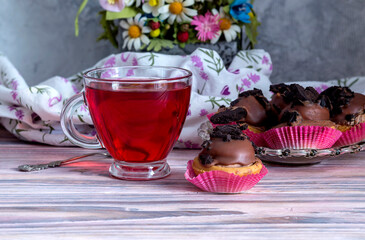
<point x="307" y="39"/>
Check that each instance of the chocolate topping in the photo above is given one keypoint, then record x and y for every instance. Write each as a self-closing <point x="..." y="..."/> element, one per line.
<point x="228" y="146"/>
<point x="291" y="117"/>
<point x="293" y="104"/>
<point x="228" y="115"/>
<point x="352" y="113"/>
<point x="339" y="97"/>
<point x="294" y="94"/>
<point x="250" y="107"/>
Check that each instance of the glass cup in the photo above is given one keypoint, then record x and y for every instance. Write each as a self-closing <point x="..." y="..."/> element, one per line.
<point x="138" y="113"/>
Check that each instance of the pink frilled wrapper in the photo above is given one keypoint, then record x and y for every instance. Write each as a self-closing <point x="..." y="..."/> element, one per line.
<point x="256" y="138"/>
<point x="223" y="182"/>
<point x="301" y="137"/>
<point x="351" y="136"/>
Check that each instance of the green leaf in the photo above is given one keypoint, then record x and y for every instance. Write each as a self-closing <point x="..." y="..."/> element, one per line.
<point x="127" y="12"/>
<point x="82" y="6"/>
<point x="64" y="140"/>
<point x="110" y="30"/>
<point x="251" y="30"/>
<point x="355" y="81"/>
<point x="80" y="118"/>
<point x="226" y="9"/>
<point x="18" y="131"/>
<point x="157" y="44"/>
<point x="182" y="45"/>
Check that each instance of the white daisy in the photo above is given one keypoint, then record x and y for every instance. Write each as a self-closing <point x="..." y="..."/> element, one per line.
<point x="128" y="3"/>
<point x="178" y="10"/>
<point x="153" y="6"/>
<point x="229" y="30"/>
<point x="134" y="35"/>
<point x="139" y="2"/>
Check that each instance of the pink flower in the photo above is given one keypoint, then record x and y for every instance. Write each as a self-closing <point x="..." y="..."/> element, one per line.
<point x="19" y="114"/>
<point x="207" y="26"/>
<point x="12" y="108"/>
<point x="110" y="62"/>
<point x="197" y="61"/>
<point x="83" y="108"/>
<point x="203" y="112"/>
<point x="254" y="77"/>
<point x="265" y="60"/>
<point x="14" y="94"/>
<point x="14" y="84"/>
<point x="190" y="144"/>
<point x="204" y="75"/>
<point x="130" y="73"/>
<point x="112" y="5"/>
<point x="246" y="82"/>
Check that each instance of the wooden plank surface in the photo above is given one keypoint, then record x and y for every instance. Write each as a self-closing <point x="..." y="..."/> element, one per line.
<point x="81" y="200"/>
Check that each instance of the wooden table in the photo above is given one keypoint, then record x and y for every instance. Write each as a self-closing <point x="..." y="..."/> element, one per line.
<point x="81" y="201"/>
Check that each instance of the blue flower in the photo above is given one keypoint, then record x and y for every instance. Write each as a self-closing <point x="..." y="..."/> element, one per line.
<point x="240" y="9"/>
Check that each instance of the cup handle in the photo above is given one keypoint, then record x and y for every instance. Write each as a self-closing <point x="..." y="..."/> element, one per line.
<point x="68" y="126"/>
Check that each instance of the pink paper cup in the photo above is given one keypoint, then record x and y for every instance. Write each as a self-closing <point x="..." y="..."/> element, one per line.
<point x="256" y="138"/>
<point x="301" y="137"/>
<point x="223" y="182"/>
<point x="351" y="136"/>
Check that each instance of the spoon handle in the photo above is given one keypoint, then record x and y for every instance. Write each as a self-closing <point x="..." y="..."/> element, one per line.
<point x="38" y="167"/>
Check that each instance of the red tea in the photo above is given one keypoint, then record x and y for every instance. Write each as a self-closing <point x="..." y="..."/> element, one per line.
<point x="138" y="125"/>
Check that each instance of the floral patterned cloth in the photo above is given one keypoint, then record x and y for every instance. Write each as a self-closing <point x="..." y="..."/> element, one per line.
<point x="33" y="113"/>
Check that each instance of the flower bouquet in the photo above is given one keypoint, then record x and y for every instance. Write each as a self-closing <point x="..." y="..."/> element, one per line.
<point x="153" y="25"/>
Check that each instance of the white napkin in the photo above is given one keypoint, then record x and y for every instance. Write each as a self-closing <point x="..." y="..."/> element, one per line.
<point x="33" y="113"/>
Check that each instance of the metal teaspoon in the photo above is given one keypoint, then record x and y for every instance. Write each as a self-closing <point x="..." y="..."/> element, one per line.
<point x="38" y="167"/>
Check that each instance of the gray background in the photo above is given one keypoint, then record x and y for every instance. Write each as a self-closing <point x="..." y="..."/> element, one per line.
<point x="307" y="39"/>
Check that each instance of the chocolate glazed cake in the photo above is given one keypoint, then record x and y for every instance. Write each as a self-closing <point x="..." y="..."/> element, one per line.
<point x="251" y="107"/>
<point x="294" y="105"/>
<point x="348" y="107"/>
<point x="228" y="150"/>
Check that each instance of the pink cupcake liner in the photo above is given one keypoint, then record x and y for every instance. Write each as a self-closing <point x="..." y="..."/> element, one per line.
<point x="301" y="137"/>
<point x="257" y="138"/>
<point x="351" y="136"/>
<point x="223" y="182"/>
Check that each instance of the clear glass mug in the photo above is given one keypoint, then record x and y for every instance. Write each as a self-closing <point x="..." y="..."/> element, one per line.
<point x="138" y="114"/>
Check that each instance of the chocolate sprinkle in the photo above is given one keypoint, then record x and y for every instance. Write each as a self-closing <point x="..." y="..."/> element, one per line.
<point x="290" y="117"/>
<point x="228" y="132"/>
<point x="205" y="159"/>
<point x="339" y="97"/>
<point x="228" y="116"/>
